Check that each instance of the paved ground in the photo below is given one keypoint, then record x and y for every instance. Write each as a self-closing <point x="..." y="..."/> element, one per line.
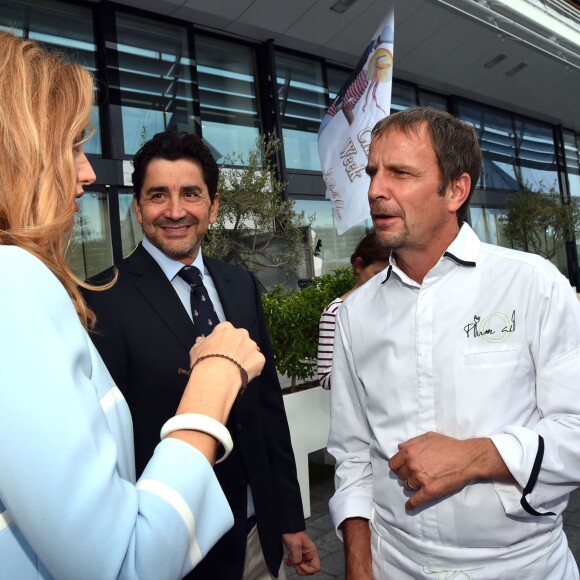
<point x="330" y="548"/>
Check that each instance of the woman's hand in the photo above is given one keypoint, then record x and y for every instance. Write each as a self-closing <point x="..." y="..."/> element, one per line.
<point x="215" y="381"/>
<point x="232" y="342"/>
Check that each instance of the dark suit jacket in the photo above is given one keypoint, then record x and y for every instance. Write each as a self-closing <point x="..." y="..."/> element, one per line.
<point x="144" y="335"/>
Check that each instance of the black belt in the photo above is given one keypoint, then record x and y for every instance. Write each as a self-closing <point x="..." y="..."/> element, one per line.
<point x="250" y="523"/>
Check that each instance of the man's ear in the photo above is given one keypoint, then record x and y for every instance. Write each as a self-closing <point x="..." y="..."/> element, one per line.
<point x="357" y="265"/>
<point x="458" y="192"/>
<point x="137" y="209"/>
<point x="213" y="210"/>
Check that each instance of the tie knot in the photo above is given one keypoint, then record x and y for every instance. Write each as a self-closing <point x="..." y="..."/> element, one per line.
<point x="191" y="275"/>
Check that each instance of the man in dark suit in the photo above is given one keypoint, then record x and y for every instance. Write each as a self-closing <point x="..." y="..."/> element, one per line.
<point x="144" y="332"/>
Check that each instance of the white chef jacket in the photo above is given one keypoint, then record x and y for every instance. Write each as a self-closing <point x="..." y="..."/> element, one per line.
<point x="488" y="345"/>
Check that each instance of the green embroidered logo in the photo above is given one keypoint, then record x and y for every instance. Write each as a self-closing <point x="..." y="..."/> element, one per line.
<point x="495" y="327"/>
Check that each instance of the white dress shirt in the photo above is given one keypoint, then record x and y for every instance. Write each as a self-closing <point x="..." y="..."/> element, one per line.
<point x="171" y="269"/>
<point x="488" y="345"/>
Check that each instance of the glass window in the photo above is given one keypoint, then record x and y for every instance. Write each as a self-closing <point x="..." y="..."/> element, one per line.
<point x="536" y="155"/>
<point x="402" y="97"/>
<point x="486" y="223"/>
<point x="498" y="144"/>
<point x="61" y="26"/>
<point x="331" y="250"/>
<point x="336" y="78"/>
<point x="572" y="152"/>
<point x="302" y="99"/>
<point x="227" y="94"/>
<point x="428" y="99"/>
<point x="154" y="72"/>
<point x="93" y="145"/>
<point x="90" y="250"/>
<point x="517" y="152"/>
<point x="131" y="232"/>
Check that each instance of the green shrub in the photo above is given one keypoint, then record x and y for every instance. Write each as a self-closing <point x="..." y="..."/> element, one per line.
<point x="293" y="317"/>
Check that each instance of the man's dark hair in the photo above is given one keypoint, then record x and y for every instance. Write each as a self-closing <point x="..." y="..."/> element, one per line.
<point x="455" y="144"/>
<point x="174" y="146"/>
<point x="370" y="250"/>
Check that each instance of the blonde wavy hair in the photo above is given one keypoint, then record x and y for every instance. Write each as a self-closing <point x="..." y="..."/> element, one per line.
<point x="45" y="106"/>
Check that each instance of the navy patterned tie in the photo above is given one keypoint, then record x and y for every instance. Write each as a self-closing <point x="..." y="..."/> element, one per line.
<point x="203" y="313"/>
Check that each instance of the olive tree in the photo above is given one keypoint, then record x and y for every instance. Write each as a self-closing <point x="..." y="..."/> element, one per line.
<point x="539" y="222"/>
<point x="257" y="227"/>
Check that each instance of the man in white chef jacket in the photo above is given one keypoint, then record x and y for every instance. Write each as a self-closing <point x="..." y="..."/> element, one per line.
<point x="455" y="415"/>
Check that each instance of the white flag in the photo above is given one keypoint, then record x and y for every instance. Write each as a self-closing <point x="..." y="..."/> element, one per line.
<point x="344" y="134"/>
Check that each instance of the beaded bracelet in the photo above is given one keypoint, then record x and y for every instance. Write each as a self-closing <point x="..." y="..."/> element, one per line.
<point x="203" y="423"/>
<point x="243" y="371"/>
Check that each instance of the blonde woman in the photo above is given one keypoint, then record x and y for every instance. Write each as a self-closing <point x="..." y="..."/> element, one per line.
<point x="69" y="504"/>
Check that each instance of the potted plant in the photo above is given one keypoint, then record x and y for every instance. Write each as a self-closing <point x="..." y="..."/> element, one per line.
<point x="293" y="316"/>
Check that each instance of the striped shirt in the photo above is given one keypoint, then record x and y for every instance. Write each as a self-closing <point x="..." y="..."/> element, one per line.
<point x="326" y="342"/>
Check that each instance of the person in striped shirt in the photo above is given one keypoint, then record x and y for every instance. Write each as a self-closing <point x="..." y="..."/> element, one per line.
<point x="368" y="259"/>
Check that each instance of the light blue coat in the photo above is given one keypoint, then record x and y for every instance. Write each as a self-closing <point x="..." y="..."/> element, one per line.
<point x="69" y="504"/>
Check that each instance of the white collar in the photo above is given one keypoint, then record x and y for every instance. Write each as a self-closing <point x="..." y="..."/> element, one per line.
<point x="170" y="266"/>
<point x="462" y="251"/>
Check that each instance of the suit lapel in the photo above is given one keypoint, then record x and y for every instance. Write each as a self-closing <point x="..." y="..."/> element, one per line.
<point x="240" y="311"/>
<point x="154" y="285"/>
<point x="231" y="300"/>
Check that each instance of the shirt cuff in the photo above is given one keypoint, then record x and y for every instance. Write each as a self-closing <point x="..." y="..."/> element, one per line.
<point x="351" y="503"/>
<point x="518" y="448"/>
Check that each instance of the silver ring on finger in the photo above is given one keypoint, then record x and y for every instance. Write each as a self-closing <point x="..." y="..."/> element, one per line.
<point x="408" y="484"/>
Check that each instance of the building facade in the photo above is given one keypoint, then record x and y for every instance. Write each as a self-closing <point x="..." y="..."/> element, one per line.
<point x="231" y="74"/>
